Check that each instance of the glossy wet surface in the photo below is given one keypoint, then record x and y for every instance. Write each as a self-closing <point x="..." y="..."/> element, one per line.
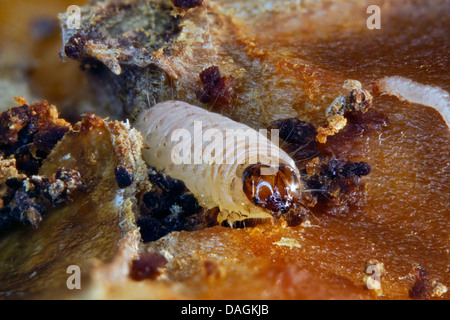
<point x="406" y="219"/>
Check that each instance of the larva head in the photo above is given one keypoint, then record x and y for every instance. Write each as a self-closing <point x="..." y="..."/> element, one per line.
<point x="277" y="192"/>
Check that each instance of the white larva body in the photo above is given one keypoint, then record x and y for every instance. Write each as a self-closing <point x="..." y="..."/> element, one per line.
<point x="414" y="92"/>
<point x="214" y="185"/>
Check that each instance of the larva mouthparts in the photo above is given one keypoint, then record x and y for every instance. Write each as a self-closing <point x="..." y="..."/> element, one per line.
<point x="260" y="181"/>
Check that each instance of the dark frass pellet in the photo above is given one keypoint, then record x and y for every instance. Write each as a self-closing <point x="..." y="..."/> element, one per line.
<point x="293" y="130"/>
<point x="187" y="4"/>
<point x="124" y="177"/>
<point x="75" y="46"/>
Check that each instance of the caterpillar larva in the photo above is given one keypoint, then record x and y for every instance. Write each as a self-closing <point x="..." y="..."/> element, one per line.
<point x="219" y="167"/>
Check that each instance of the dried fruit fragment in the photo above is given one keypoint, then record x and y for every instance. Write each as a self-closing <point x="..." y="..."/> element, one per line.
<point x="297" y="216"/>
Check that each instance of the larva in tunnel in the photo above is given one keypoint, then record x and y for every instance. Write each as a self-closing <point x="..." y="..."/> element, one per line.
<point x="224" y="163"/>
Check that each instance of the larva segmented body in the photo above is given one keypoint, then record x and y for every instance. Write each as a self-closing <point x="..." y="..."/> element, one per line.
<point x="237" y="187"/>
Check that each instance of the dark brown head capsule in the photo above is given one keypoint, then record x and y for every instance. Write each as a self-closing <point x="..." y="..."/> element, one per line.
<point x="276" y="193"/>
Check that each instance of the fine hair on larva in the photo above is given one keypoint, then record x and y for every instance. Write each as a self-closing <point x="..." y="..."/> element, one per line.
<point x="240" y="189"/>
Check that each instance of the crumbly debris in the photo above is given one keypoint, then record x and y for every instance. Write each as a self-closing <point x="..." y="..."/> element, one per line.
<point x="356" y="101"/>
<point x="334" y="184"/>
<point x="29" y="132"/>
<point x="11" y="122"/>
<point x="296" y="216"/>
<point x="216" y="88"/>
<point x="335" y="167"/>
<point x="335" y="124"/>
<point x="8" y="175"/>
<point x="301" y="137"/>
<point x="96" y="228"/>
<point x="59" y="187"/>
<point x="425" y="286"/>
<point x="328" y="182"/>
<point x="26" y="208"/>
<point x="88" y="123"/>
<point x="28" y="135"/>
<point x="10" y="182"/>
<point x="166" y="207"/>
<point x="26" y="200"/>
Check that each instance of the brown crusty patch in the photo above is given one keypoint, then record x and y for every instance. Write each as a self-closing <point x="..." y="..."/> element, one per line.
<point x="91" y="228"/>
<point x="29" y="132"/>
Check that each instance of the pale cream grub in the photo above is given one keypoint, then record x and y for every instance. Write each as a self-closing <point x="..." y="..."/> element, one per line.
<point x="215" y="183"/>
